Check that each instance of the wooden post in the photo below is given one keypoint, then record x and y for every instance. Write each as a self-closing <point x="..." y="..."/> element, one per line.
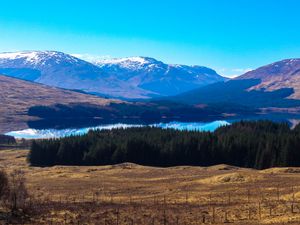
<point x="259" y="210"/>
<point x="65" y="218"/>
<point x="229" y="198"/>
<point x="226" y="217"/>
<point x="118" y="213"/>
<point x="249" y="212"/>
<point x="213" y="214"/>
<point x="278" y="194"/>
<point x="293" y="195"/>
<point x="186" y="198"/>
<point x="248" y="196"/>
<point x="165" y="217"/>
<point x="203" y="218"/>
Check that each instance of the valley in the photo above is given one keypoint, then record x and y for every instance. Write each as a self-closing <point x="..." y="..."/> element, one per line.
<point x="150" y="112"/>
<point x="66" y="92"/>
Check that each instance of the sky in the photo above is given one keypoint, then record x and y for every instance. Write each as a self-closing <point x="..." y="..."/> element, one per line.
<point x="230" y="36"/>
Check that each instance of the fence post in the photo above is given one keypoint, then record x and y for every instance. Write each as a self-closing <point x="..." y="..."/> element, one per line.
<point x="229" y="198"/>
<point x="248" y="195"/>
<point x="213" y="214"/>
<point x="259" y="210"/>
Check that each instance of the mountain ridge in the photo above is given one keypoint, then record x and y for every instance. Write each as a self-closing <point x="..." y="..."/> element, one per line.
<point x="127" y="78"/>
<point x="158" y="77"/>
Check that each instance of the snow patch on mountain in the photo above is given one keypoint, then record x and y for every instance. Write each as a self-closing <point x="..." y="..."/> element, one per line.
<point x="130" y="77"/>
<point x="37" y="57"/>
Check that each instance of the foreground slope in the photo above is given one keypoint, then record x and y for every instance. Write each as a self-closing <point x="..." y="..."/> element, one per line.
<point x="129" y="192"/>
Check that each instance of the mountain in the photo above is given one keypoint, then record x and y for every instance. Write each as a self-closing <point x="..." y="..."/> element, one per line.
<point x="275" y="85"/>
<point x="276" y="76"/>
<point x="157" y="77"/>
<point x="58" y="69"/>
<point x="127" y="78"/>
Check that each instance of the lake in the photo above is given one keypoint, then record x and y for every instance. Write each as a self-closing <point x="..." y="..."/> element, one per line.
<point x="55" y="133"/>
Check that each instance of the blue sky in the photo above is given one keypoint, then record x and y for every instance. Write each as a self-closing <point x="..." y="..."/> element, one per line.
<point x="230" y="36"/>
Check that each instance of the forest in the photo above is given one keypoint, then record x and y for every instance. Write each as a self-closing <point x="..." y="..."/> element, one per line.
<point x="252" y="144"/>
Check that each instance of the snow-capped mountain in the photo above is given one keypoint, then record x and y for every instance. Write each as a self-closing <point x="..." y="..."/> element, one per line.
<point x="65" y="71"/>
<point x="158" y="77"/>
<point x="135" y="77"/>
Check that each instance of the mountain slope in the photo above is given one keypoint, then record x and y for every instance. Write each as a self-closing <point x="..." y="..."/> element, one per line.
<point x="158" y="77"/>
<point x="278" y="75"/>
<point x="58" y="69"/>
<point x="274" y="85"/>
<point x="18" y="96"/>
<point x="128" y="78"/>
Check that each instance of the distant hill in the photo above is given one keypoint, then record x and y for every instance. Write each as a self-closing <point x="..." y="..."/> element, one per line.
<point x="276" y="85"/>
<point x="127" y="78"/>
<point x="18" y="96"/>
<point x="276" y="76"/>
<point x="159" y="78"/>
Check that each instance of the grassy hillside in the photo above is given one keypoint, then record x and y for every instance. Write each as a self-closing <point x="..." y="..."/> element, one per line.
<point x="18" y="96"/>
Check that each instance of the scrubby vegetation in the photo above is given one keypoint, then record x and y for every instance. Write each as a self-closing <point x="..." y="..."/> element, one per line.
<point x="256" y="144"/>
<point x="14" y="204"/>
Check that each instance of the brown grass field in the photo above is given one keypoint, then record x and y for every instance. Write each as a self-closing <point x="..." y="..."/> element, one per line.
<point x="129" y="194"/>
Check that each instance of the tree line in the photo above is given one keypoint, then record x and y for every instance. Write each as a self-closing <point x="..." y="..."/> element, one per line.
<point x="254" y="144"/>
<point x="5" y="139"/>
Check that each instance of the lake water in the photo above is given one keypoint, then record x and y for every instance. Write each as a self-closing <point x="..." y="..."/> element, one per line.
<point x="54" y="133"/>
